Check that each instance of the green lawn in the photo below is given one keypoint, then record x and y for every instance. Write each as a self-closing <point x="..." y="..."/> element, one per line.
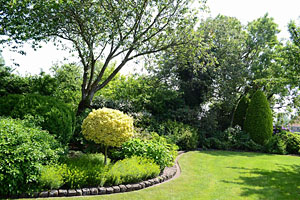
<point x="226" y="175"/>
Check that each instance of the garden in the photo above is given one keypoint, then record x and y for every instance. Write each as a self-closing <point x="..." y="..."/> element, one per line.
<point x="218" y="90"/>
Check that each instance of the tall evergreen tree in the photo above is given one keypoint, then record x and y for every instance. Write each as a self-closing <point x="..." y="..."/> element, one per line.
<point x="259" y="122"/>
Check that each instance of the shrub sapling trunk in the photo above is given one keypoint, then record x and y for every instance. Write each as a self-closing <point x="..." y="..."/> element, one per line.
<point x="105" y="155"/>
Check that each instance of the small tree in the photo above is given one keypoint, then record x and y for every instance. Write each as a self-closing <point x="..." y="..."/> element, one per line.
<point x="109" y="127"/>
<point x="240" y="112"/>
<point x="259" y="122"/>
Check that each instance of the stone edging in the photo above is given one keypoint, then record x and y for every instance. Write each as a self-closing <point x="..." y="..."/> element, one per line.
<point x="167" y="174"/>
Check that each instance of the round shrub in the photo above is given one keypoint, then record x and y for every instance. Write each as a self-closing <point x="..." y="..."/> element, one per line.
<point x="58" y="118"/>
<point x="107" y="126"/>
<point x="258" y="122"/>
<point x="23" y="151"/>
<point x="240" y="112"/>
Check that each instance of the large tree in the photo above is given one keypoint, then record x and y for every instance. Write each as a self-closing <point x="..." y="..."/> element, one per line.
<point x="98" y="30"/>
<point x="226" y="61"/>
<point x="292" y="54"/>
<point x="290" y="62"/>
<point x="211" y="68"/>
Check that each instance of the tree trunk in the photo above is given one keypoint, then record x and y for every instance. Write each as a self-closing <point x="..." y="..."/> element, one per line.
<point x="82" y="106"/>
<point x="105" y="155"/>
<point x="234" y="108"/>
<point x="85" y="103"/>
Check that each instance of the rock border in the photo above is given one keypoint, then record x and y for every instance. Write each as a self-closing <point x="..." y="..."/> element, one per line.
<point x="169" y="173"/>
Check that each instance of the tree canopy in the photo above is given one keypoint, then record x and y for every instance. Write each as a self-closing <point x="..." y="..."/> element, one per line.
<point x="98" y="30"/>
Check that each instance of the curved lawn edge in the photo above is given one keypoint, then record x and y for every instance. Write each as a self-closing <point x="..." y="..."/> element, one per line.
<point x="168" y="174"/>
<point x="168" y="170"/>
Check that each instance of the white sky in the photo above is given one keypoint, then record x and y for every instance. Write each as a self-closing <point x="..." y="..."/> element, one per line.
<point x="283" y="11"/>
<point x="245" y="10"/>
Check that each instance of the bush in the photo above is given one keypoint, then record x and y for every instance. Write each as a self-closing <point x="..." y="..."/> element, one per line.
<point x="233" y="139"/>
<point x="240" y="140"/>
<point x="132" y="170"/>
<point x="84" y="170"/>
<point x="156" y="148"/>
<point x="52" y="176"/>
<point x="284" y="142"/>
<point x="58" y="118"/>
<point x="23" y="151"/>
<point x="276" y="144"/>
<point x="77" y="171"/>
<point x="292" y="142"/>
<point x="240" y="112"/>
<point x="183" y="135"/>
<point x="215" y="143"/>
<point x="258" y="122"/>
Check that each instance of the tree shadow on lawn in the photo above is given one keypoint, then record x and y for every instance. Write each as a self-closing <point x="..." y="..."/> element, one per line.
<point x="225" y="153"/>
<point x="282" y="183"/>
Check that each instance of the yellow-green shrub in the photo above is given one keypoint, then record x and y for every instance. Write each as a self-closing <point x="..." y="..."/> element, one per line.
<point x="108" y="126"/>
<point x="131" y="170"/>
<point x="52" y="176"/>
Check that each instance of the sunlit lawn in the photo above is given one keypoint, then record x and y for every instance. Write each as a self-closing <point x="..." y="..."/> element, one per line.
<point x="226" y="175"/>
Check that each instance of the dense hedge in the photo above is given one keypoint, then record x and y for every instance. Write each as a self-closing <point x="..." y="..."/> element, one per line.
<point x="58" y="118"/>
<point x="240" y="112"/>
<point x="259" y="122"/>
<point x="23" y="150"/>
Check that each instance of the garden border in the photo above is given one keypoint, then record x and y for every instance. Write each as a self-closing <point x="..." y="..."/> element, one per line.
<point x="168" y="174"/>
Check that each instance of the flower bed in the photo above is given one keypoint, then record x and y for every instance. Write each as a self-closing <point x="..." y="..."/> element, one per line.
<point x="168" y="173"/>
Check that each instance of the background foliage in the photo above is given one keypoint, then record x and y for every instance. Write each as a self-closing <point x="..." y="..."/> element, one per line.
<point x="57" y="117"/>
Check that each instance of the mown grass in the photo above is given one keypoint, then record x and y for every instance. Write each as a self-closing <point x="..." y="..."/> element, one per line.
<point x="226" y="175"/>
